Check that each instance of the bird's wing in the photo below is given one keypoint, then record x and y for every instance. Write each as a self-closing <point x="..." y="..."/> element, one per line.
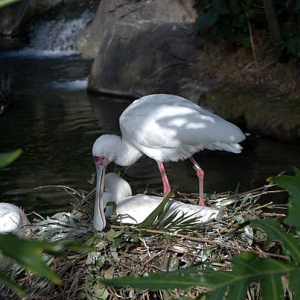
<point x="136" y="209"/>
<point x="176" y="126"/>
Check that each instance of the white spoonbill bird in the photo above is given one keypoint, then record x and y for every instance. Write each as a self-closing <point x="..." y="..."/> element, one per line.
<point x="165" y="128"/>
<point x="11" y="217"/>
<point x="135" y="209"/>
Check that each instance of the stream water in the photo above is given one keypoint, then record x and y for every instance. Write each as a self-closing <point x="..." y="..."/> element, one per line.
<point x="55" y="121"/>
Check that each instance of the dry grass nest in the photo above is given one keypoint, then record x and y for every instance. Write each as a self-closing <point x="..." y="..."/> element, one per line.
<point x="130" y="250"/>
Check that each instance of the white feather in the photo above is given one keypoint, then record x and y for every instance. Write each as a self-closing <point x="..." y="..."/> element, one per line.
<point x="11" y="217"/>
<point x="135" y="209"/>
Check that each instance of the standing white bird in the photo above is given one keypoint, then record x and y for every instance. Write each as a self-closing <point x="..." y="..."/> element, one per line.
<point x="165" y="128"/>
<point x="11" y="217"/>
<point x="135" y="209"/>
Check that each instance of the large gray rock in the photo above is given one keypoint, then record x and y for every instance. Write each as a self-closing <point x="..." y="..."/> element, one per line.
<point x="277" y="118"/>
<point x="111" y="11"/>
<point x="8" y="17"/>
<point x="143" y="47"/>
<point x="30" y="10"/>
<point x="15" y="19"/>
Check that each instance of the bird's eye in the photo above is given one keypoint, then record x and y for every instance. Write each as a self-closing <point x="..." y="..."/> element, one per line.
<point x="101" y="160"/>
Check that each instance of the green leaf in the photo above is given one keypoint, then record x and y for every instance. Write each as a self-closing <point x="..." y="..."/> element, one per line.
<point x="160" y="210"/>
<point x="292" y="185"/>
<point x="246" y="269"/>
<point x="275" y="231"/>
<point x="251" y="14"/>
<point x="272" y="288"/>
<point x="212" y="17"/>
<point x="238" y="289"/>
<point x="13" y="286"/>
<point x="4" y="3"/>
<point x="207" y="19"/>
<point x="217" y="294"/>
<point x="9" y="157"/>
<point x="293" y="278"/>
<point x="28" y="254"/>
<point x="184" y="279"/>
<point x="111" y="235"/>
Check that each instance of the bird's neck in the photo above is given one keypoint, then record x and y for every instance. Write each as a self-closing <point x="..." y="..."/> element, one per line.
<point x="127" y="154"/>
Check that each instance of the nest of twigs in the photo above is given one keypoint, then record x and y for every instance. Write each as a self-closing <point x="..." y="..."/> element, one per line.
<point x="129" y="250"/>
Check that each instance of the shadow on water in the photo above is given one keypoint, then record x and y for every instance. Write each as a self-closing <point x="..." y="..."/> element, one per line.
<point x="56" y="122"/>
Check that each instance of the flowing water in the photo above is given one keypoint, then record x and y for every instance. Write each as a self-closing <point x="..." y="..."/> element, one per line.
<point x="55" y="121"/>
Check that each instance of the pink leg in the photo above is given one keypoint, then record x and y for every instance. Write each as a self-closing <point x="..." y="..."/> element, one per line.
<point x="200" y="175"/>
<point x="164" y="178"/>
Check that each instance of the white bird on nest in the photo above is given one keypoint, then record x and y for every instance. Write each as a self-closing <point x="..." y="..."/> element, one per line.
<point x="165" y="128"/>
<point x="135" y="209"/>
<point x="11" y="217"/>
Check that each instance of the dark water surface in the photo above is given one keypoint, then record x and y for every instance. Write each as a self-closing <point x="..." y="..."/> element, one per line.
<point x="55" y="122"/>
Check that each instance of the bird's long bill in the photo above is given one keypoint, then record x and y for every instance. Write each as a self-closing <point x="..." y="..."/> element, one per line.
<point x="99" y="221"/>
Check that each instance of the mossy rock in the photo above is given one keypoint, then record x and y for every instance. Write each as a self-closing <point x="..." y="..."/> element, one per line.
<point x="276" y="117"/>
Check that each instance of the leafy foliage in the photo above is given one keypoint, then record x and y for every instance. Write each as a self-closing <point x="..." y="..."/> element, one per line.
<point x="28" y="254"/>
<point x="268" y="275"/>
<point x="158" y="220"/>
<point x="292" y="185"/>
<point x="275" y="231"/>
<point x="288" y="15"/>
<point x="221" y="20"/>
<point x="234" y="19"/>
<point x="247" y="268"/>
<point x="157" y="215"/>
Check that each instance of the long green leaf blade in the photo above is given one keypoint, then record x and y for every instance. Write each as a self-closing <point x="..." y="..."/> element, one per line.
<point x="246" y="269"/>
<point x="28" y="254"/>
<point x="4" y="3"/>
<point x="9" y="157"/>
<point x="157" y="281"/>
<point x="162" y="208"/>
<point x="13" y="286"/>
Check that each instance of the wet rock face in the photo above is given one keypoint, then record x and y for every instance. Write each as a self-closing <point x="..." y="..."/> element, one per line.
<point x="143" y="47"/>
<point x="132" y="12"/>
<point x="8" y="17"/>
<point x="15" y="19"/>
<point x="271" y="117"/>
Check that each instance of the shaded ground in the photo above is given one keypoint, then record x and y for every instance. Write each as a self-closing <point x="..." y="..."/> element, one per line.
<point x="259" y="92"/>
<point x="232" y="65"/>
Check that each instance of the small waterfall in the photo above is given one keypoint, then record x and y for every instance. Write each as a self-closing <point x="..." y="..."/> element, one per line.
<point x="56" y="37"/>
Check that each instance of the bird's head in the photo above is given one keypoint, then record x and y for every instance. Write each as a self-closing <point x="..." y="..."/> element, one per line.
<point x="117" y="186"/>
<point x="105" y="149"/>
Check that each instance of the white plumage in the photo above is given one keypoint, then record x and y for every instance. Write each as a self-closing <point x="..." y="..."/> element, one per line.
<point x="135" y="209"/>
<point x="171" y="128"/>
<point x="165" y="128"/>
<point x="11" y="217"/>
